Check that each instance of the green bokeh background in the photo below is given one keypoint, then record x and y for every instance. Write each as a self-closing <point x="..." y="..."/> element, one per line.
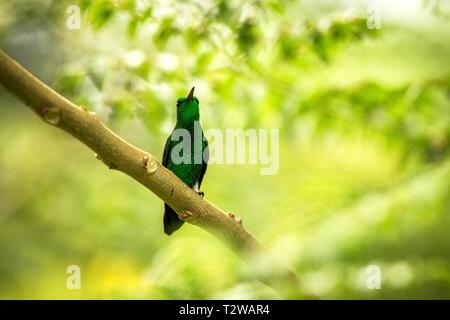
<point x="364" y="119"/>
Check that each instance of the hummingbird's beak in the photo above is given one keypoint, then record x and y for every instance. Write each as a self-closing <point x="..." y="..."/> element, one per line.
<point x="190" y="95"/>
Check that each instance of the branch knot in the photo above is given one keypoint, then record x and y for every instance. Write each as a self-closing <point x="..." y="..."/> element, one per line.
<point x="51" y="115"/>
<point x="185" y="215"/>
<point x="238" y="220"/>
<point x="149" y="164"/>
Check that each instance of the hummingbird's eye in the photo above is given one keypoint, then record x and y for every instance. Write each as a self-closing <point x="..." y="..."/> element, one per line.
<point x="178" y="103"/>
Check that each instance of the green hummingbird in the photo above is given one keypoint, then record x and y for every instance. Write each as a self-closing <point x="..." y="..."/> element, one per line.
<point x="187" y="158"/>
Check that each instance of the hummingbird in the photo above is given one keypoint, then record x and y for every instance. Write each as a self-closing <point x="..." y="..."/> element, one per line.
<point x="192" y="171"/>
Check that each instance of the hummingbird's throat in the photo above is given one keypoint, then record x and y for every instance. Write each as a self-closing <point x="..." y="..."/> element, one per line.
<point x="189" y="141"/>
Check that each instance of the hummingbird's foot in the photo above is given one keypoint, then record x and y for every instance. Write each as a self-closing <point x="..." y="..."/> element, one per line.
<point x="201" y="193"/>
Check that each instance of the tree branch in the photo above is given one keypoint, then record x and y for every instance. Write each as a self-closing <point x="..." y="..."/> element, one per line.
<point x="118" y="154"/>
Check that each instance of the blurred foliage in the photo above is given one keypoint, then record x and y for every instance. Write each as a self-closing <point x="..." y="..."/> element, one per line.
<point x="364" y="118"/>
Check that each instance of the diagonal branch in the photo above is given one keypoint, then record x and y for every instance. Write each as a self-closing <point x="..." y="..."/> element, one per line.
<point x="118" y="154"/>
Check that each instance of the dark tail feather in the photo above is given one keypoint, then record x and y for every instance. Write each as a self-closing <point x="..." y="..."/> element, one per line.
<point x="171" y="221"/>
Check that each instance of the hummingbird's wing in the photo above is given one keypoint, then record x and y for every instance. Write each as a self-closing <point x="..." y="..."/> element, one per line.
<point x="204" y="163"/>
<point x="171" y="220"/>
<point x="165" y="158"/>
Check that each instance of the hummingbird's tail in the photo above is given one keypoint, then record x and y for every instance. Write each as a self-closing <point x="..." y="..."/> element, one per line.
<point x="171" y="221"/>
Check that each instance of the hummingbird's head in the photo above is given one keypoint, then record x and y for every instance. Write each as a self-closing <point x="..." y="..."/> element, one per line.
<point x="188" y="109"/>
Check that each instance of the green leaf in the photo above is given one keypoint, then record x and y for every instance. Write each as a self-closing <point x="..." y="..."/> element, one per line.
<point x="247" y="36"/>
<point x="165" y="31"/>
<point x="132" y="27"/>
<point x="100" y="12"/>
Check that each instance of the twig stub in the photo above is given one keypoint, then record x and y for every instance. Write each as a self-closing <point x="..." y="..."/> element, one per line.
<point x="149" y="163"/>
<point x="185" y="215"/>
<point x="51" y="115"/>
